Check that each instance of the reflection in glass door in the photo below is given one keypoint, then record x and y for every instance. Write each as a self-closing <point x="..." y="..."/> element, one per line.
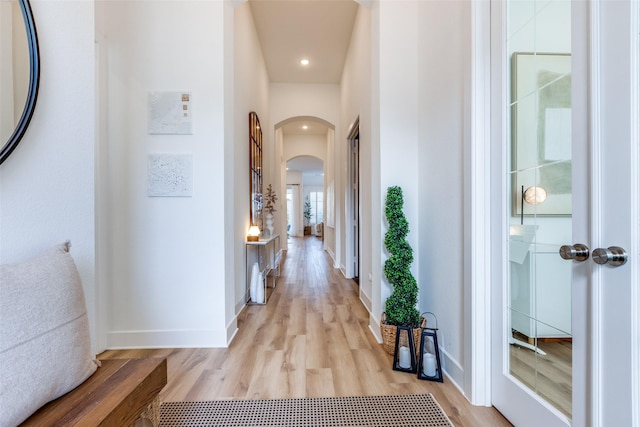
<point x="539" y="290"/>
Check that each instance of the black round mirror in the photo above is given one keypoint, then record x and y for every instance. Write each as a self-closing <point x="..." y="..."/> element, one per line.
<point x="19" y="72"/>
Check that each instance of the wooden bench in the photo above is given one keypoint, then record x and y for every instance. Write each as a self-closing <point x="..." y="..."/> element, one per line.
<point x="120" y="392"/>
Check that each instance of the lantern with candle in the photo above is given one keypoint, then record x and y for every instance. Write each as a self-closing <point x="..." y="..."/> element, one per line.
<point x="429" y="367"/>
<point x="404" y="355"/>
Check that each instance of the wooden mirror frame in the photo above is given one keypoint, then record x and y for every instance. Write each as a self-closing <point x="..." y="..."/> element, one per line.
<point x="255" y="170"/>
<point x="34" y="83"/>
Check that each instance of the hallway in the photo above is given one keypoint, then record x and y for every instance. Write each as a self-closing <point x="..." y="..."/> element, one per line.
<point x="310" y="340"/>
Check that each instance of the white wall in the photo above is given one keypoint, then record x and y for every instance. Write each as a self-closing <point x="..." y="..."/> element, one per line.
<point x="46" y="185"/>
<point x="251" y="94"/>
<point x="329" y="235"/>
<point x="356" y="102"/>
<point x="444" y="132"/>
<point x="294" y="179"/>
<point x="167" y="255"/>
<point x="418" y="99"/>
<point x="398" y="120"/>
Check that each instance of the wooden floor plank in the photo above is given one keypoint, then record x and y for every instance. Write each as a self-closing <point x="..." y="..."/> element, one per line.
<point x="312" y="339"/>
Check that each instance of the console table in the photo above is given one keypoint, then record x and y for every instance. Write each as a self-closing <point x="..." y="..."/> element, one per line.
<point x="267" y="253"/>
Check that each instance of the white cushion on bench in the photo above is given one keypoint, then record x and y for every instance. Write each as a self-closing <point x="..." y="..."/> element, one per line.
<point x="45" y="349"/>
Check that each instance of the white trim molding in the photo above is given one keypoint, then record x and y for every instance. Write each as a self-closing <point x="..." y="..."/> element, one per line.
<point x="477" y="384"/>
<point x="635" y="209"/>
<point x="452" y="370"/>
<point x="168" y="338"/>
<point x="595" y="147"/>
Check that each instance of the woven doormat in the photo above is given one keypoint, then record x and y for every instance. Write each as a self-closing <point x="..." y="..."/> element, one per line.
<point x="372" y="411"/>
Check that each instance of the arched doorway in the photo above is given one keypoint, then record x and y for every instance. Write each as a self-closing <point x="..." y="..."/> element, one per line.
<point x="305" y="146"/>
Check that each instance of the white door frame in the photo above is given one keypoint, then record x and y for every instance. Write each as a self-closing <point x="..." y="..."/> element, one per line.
<point x="477" y="327"/>
<point x="351" y="242"/>
<point x="614" y="383"/>
<point x="635" y="203"/>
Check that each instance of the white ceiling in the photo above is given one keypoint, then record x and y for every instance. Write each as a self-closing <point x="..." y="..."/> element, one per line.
<point x="296" y="128"/>
<point x="308" y="165"/>
<point x="289" y="30"/>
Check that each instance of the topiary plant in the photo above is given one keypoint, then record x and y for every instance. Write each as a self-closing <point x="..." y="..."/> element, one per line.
<point x="306" y="212"/>
<point x="400" y="307"/>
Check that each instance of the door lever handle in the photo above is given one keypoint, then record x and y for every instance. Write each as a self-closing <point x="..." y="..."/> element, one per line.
<point x="615" y="256"/>
<point x="577" y="252"/>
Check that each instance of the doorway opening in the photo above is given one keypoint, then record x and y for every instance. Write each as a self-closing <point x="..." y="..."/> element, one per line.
<point x="353" y="203"/>
<point x="305" y="197"/>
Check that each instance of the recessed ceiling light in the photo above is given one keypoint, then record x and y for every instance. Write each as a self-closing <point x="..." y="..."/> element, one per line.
<point x="304" y="61"/>
<point x="305" y="127"/>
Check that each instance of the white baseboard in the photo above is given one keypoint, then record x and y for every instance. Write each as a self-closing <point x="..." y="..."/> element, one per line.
<point x="374" y="327"/>
<point x="366" y="301"/>
<point x="232" y="329"/>
<point x="332" y="255"/>
<point x="174" y="338"/>
<point x="452" y="369"/>
<point x="242" y="303"/>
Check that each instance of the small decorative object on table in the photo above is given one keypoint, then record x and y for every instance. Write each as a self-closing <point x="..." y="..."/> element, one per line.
<point x="254" y="284"/>
<point x="254" y="234"/>
<point x="270" y="207"/>
<point x="429" y="367"/>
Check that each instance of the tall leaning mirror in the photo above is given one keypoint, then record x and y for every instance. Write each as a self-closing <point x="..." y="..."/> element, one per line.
<point x="255" y="169"/>
<point x="19" y="72"/>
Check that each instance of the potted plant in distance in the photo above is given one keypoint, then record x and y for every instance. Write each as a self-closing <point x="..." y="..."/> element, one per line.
<point x="306" y="213"/>
<point x="400" y="307"/>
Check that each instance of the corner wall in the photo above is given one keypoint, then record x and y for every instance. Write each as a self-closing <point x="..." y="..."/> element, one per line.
<point x="167" y="254"/>
<point x="47" y="184"/>
<point x="356" y="87"/>
<point x="251" y="93"/>
<point x="399" y="126"/>
<point x="420" y="100"/>
<point x="444" y="129"/>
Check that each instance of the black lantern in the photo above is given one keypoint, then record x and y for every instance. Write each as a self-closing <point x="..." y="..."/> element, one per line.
<point x="404" y="355"/>
<point x="429" y="367"/>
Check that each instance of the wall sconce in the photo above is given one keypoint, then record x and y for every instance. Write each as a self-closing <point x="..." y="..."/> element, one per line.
<point x="404" y="355"/>
<point x="254" y="234"/>
<point x="533" y="196"/>
<point x="429" y="367"/>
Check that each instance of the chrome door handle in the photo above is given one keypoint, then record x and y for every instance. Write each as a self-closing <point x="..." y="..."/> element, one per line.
<point x="615" y="256"/>
<point x="577" y="252"/>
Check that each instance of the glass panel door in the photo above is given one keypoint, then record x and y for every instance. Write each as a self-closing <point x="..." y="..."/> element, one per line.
<point x="540" y="198"/>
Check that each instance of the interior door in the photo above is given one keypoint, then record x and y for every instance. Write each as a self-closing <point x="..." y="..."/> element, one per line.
<point x="355" y="204"/>
<point x="565" y="341"/>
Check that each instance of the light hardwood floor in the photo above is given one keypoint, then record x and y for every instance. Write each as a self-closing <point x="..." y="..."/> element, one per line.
<point x="310" y="340"/>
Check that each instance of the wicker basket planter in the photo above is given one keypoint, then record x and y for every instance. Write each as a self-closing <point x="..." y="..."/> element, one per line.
<point x="389" y="335"/>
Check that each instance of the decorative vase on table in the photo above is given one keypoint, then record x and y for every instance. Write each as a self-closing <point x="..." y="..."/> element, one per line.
<point x="260" y="289"/>
<point x="270" y="224"/>
<point x="253" y="288"/>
